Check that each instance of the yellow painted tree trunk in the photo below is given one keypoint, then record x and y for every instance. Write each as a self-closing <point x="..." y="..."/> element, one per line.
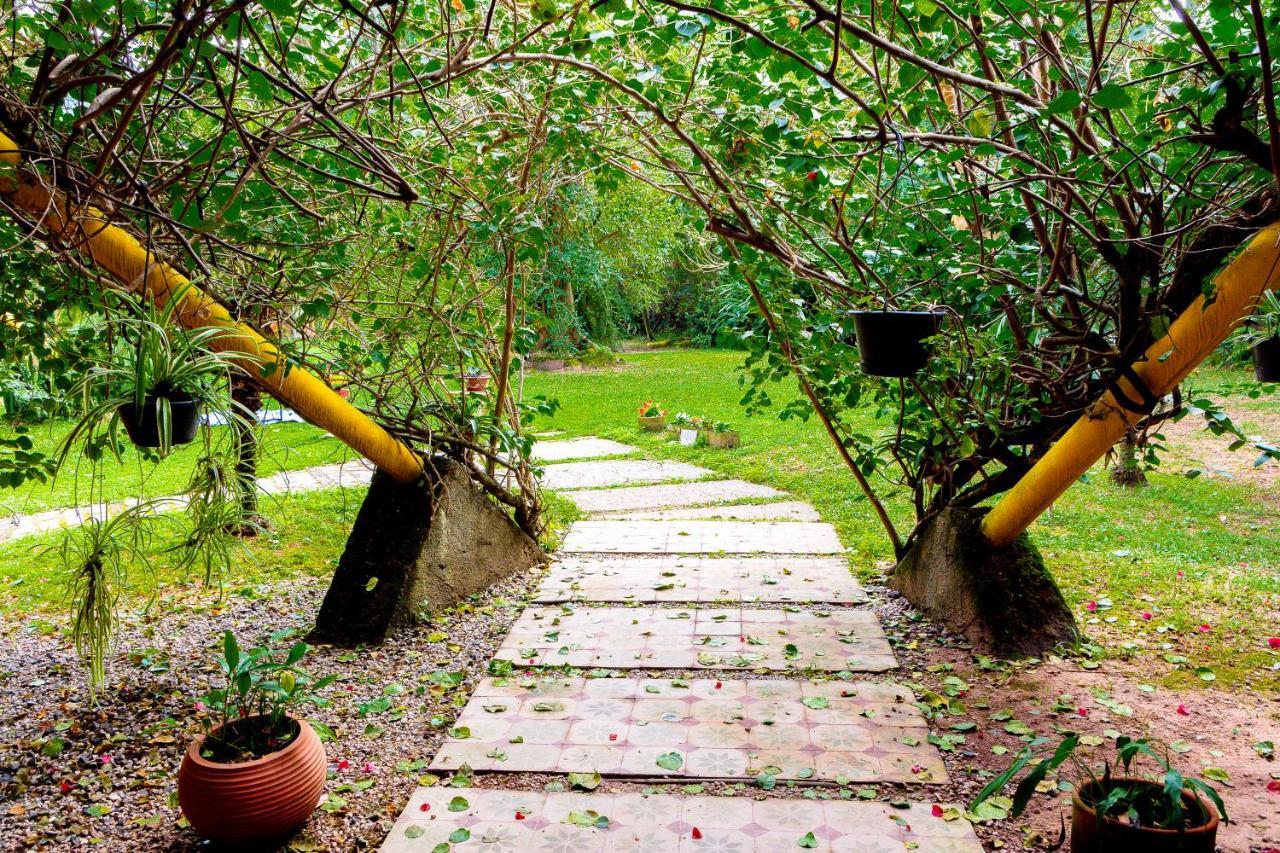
<point x="115" y="251"/>
<point x="1190" y="339"/>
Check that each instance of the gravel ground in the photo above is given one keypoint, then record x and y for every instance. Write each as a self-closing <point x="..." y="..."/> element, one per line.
<point x="81" y="772"/>
<point x="78" y="772"/>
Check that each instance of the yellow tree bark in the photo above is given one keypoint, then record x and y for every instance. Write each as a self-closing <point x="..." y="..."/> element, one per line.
<point x="1190" y="339"/>
<point x="115" y="251"/>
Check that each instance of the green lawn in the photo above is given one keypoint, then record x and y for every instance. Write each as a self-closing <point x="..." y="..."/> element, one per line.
<point x="1189" y="552"/>
<point x="285" y="447"/>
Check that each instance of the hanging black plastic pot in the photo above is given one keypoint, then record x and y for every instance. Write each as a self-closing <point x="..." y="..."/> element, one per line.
<point x="891" y="343"/>
<point x="144" y="427"/>
<point x="1266" y="359"/>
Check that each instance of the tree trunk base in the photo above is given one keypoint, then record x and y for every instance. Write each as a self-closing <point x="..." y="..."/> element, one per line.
<point x="416" y="549"/>
<point x="1130" y="478"/>
<point x="1003" y="600"/>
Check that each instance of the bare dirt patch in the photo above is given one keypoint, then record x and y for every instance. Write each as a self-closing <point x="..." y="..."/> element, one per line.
<point x="1194" y="448"/>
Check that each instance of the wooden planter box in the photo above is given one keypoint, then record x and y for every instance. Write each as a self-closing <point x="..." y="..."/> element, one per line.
<point x="728" y="438"/>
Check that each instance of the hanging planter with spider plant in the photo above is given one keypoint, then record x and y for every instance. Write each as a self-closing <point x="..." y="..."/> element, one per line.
<point x="156" y="384"/>
<point x="892" y="343"/>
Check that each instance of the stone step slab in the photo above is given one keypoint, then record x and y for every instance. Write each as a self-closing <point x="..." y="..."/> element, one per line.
<point x="780" y="511"/>
<point x="605" y="474"/>
<point x="699" y="578"/>
<point x="608" y="536"/>
<point x="706" y="492"/>
<point x="579" y="448"/>
<point x="540" y="822"/>
<point x="718" y="638"/>
<point x="696" y="729"/>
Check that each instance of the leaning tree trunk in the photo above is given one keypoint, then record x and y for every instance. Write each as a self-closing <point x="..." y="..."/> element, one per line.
<point x="246" y="398"/>
<point x="1126" y="466"/>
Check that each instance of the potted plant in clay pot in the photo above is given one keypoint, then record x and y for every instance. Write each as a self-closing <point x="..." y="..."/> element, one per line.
<point x="722" y="434"/>
<point x="651" y="416"/>
<point x="1168" y="813"/>
<point x="892" y="343"/>
<point x="1261" y="334"/>
<point x="157" y="382"/>
<point x="256" y="775"/>
<point x="475" y="380"/>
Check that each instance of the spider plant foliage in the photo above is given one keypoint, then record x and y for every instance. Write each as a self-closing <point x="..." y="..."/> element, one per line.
<point x="155" y="360"/>
<point x="152" y="359"/>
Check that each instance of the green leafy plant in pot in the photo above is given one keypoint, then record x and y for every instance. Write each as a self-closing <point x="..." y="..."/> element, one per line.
<point x="1261" y="334"/>
<point x="475" y="380"/>
<point x="1166" y="813"/>
<point x="257" y="773"/>
<point x="722" y="434"/>
<point x="156" y="383"/>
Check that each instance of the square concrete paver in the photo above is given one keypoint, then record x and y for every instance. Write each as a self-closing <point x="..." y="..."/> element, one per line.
<point x="729" y="638"/>
<point x="695" y="577"/>
<point x="579" y="448"/>
<point x="701" y="729"/>
<point x="680" y="494"/>
<point x="617" y="472"/>
<point x="539" y="822"/>
<point x="622" y="536"/>
<point x="780" y="511"/>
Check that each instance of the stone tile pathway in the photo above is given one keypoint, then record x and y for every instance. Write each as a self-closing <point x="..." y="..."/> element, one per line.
<point x="355" y="472"/>
<point x="541" y="822"/>
<point x="687" y="549"/>
<point x="732" y="638"/>
<point x="661" y="497"/>
<point x="779" y="511"/>
<point x="579" y="448"/>
<point x="627" y="536"/>
<point x="700" y="578"/>
<point x="703" y="729"/>
<point x="618" y="472"/>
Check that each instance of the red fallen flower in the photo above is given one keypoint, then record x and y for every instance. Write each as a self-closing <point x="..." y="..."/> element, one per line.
<point x="1277" y="640"/>
<point x="368" y="767"/>
<point x="344" y="764"/>
<point x="1273" y="642"/>
<point x="697" y="833"/>
<point x="1204" y="629"/>
<point x="519" y="815"/>
<point x="812" y="176"/>
<point x="1084" y="712"/>
<point x="65" y="786"/>
<point x="1274" y="786"/>
<point x="1091" y="606"/>
<point x="1182" y="710"/>
<point x="937" y="810"/>
<point x="612" y="736"/>
<point x="1146" y="614"/>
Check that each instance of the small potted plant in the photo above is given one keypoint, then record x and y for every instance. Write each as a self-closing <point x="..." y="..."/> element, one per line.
<point x="892" y="343"/>
<point x="257" y="774"/>
<point x="1171" y="812"/>
<point x="1261" y="333"/>
<point x="475" y="380"/>
<point x="722" y="434"/>
<point x="652" y="417"/>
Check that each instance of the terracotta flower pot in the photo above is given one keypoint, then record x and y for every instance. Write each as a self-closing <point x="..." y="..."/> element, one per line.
<point x="655" y="423"/>
<point x="728" y="438"/>
<point x="259" y="800"/>
<point x="1091" y="835"/>
<point x="475" y="384"/>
